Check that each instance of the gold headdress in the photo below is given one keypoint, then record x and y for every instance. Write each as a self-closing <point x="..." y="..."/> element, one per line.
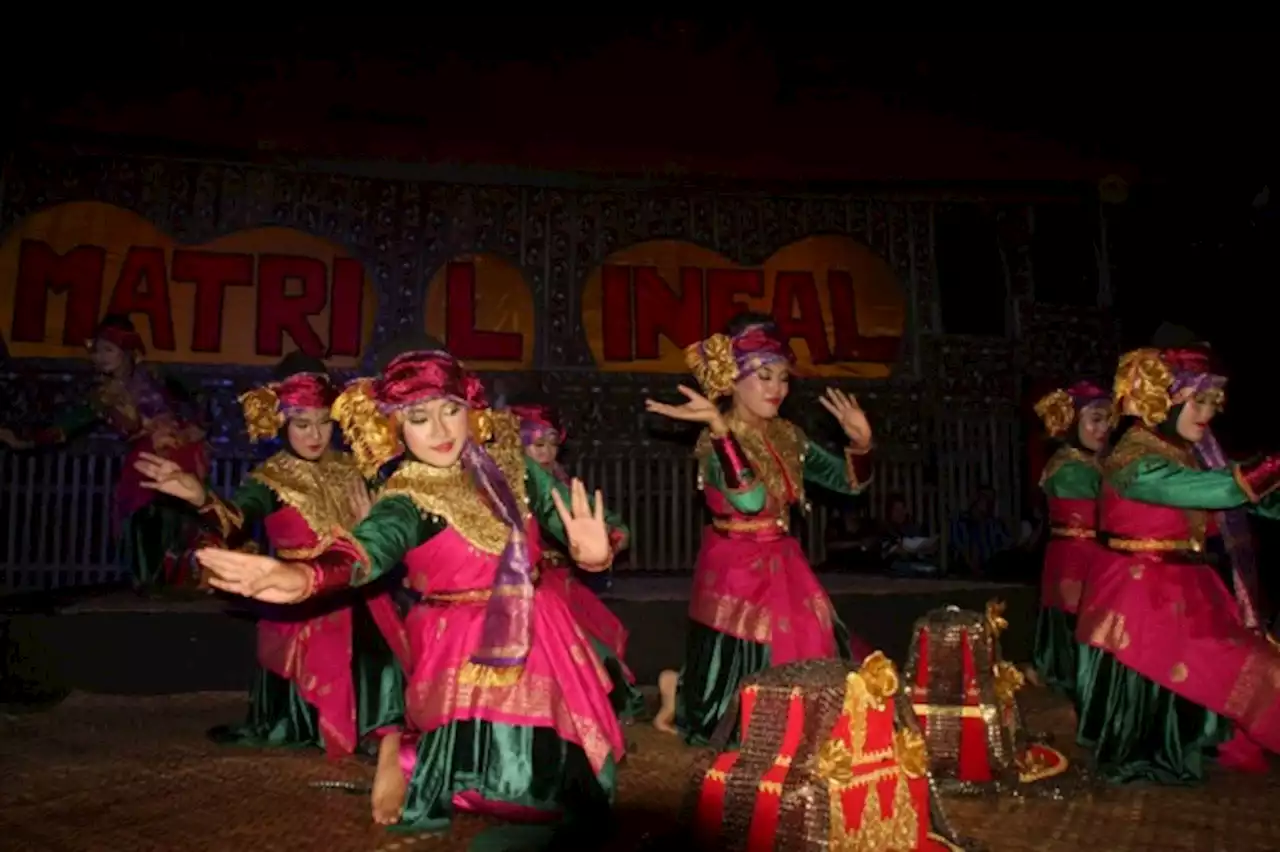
<point x="1142" y="386"/>
<point x="713" y="366"/>
<point x="262" y="415"/>
<point x="1057" y="412"/>
<point x="371" y="434"/>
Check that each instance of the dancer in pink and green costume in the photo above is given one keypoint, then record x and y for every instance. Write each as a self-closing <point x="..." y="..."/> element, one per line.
<point x="330" y="672"/>
<point x="756" y="602"/>
<point x="1078" y="420"/>
<point x="511" y="701"/>
<point x="542" y="433"/>
<point x="148" y="413"/>
<point x="1175" y="667"/>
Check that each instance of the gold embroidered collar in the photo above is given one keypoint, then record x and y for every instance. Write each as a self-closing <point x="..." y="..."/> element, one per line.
<point x="776" y="453"/>
<point x="1140" y="441"/>
<point x="1067" y="454"/>
<point x="318" y="490"/>
<point x="451" y="495"/>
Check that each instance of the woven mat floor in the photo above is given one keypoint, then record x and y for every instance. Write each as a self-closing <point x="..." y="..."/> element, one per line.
<point x="101" y="773"/>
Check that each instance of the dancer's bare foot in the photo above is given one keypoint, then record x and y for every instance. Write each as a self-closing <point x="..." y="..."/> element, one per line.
<point x="665" y="721"/>
<point x="389" y="783"/>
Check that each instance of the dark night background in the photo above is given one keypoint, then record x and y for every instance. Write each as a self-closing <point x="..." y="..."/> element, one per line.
<point x="1181" y="116"/>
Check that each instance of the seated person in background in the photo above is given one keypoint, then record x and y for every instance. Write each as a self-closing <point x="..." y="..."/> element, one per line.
<point x="978" y="537"/>
<point x="904" y="544"/>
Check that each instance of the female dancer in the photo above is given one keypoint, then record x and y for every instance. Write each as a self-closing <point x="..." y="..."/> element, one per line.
<point x="541" y="433"/>
<point x="1174" y="657"/>
<point x="511" y="700"/>
<point x="327" y="675"/>
<point x="756" y="602"/>
<point x="148" y="414"/>
<point x="1078" y="419"/>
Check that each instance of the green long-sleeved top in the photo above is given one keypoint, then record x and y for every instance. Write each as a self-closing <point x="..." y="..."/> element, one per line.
<point x="782" y="460"/>
<point x="1148" y="469"/>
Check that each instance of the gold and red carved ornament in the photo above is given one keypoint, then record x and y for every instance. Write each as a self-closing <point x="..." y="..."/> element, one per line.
<point x="965" y="696"/>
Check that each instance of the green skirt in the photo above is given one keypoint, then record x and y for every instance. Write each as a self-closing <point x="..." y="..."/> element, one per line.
<point x="1138" y="730"/>
<point x="715" y="665"/>
<point x="1057" y="654"/>
<point x="280" y="717"/>
<point x="627" y="700"/>
<point x="159" y="530"/>
<point x="521" y="773"/>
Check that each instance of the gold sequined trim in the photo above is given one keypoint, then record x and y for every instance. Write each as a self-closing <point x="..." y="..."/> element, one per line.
<point x="450" y="494"/>
<point x="227" y="516"/>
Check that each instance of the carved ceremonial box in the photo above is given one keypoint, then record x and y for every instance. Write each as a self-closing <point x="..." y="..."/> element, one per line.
<point x="965" y="696"/>
<point x="826" y="762"/>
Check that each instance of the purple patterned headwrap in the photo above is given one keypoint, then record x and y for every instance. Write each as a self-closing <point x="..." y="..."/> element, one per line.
<point x="720" y="361"/>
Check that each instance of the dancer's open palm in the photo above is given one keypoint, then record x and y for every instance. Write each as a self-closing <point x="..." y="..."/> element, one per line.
<point x="697" y="409"/>
<point x="853" y="420"/>
<point x="252" y="576"/>
<point x="168" y="477"/>
<point x="585" y="529"/>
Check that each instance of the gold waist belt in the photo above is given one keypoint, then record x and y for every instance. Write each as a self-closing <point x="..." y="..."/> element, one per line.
<point x="1073" y="532"/>
<point x="733" y="525"/>
<point x="1154" y="545"/>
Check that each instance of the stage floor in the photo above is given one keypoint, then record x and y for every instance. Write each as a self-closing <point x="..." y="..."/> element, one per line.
<point x="135" y="774"/>
<point x="109" y="641"/>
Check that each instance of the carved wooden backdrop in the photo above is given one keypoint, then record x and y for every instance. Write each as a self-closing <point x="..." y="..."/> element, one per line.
<point x="404" y="231"/>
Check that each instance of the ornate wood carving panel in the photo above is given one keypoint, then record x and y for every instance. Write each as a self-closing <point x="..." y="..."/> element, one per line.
<point x="404" y="232"/>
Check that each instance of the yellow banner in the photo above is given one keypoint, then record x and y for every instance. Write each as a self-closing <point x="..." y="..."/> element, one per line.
<point x="245" y="298"/>
<point x="480" y="307"/>
<point x="836" y="300"/>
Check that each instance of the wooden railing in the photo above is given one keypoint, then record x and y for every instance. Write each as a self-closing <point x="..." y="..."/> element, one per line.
<point x="55" y="507"/>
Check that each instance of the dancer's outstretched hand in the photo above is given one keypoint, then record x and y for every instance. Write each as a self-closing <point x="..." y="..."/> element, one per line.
<point x="853" y="420"/>
<point x="698" y="409"/>
<point x="584" y="528"/>
<point x="13" y="441"/>
<point x="168" y="477"/>
<point x="361" y="501"/>
<point x="252" y="576"/>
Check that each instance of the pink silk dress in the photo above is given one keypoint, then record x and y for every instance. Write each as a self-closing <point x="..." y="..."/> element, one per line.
<point x="1155" y="603"/>
<point x="752" y="583"/>
<point x="504" y="741"/>
<point x="303" y="506"/>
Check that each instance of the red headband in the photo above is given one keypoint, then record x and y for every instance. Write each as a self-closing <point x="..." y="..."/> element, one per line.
<point x="1084" y="393"/>
<point x="1195" y="361"/>
<point x="305" y="390"/>
<point x="129" y="341"/>
<point x="421" y="376"/>
<point x="538" y="418"/>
